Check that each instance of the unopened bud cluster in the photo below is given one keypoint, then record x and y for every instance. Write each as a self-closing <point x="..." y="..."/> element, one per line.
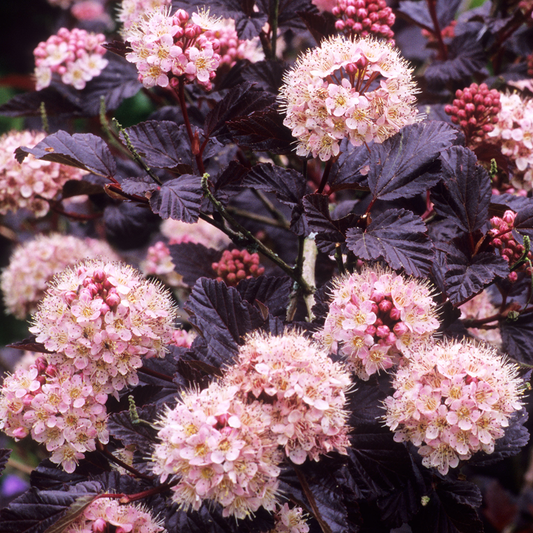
<point x="28" y="185"/>
<point x="447" y="32"/>
<point x="375" y="316"/>
<point x="503" y="239"/>
<point x="236" y="265"/>
<point x="452" y="400"/>
<point x="283" y="397"/>
<point x="166" y="48"/>
<point x="98" y="320"/>
<point x="106" y="514"/>
<point x="34" y="263"/>
<point x="475" y="109"/>
<point x="365" y="18"/>
<point x="514" y="132"/>
<point x="360" y="89"/>
<point x="75" y="55"/>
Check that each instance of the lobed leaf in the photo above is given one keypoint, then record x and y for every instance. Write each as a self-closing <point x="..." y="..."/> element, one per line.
<point x="516" y="337"/>
<point x="81" y="150"/>
<point x="179" y="199"/>
<point x="271" y="291"/>
<point x="523" y="222"/>
<point x="418" y="12"/>
<point x="193" y="261"/>
<point x="398" y="237"/>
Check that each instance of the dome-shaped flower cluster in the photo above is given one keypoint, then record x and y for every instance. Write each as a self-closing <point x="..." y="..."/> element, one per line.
<point x="453" y="399"/>
<point x="376" y="315"/>
<point x="75" y="55"/>
<point x="107" y="514"/>
<point x="360" y="89"/>
<point x="365" y="18"/>
<point x="481" y="307"/>
<point x="34" y="263"/>
<point x="514" y="130"/>
<point x="222" y="449"/>
<point x="131" y="12"/>
<point x="30" y="184"/>
<point x="306" y="389"/>
<point x="236" y="265"/>
<point x="504" y="241"/>
<point x="58" y="406"/>
<point x="475" y="109"/>
<point x="167" y="47"/>
<point x="158" y="262"/>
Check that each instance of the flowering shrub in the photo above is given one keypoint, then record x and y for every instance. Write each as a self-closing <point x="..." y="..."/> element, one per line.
<point x="30" y="185"/>
<point x="75" y="55"/>
<point x="375" y="316"/>
<point x="337" y="390"/>
<point x="34" y="263"/>
<point x="326" y="97"/>
<point x="452" y="400"/>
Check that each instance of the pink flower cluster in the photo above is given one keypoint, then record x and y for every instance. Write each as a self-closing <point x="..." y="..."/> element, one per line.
<point x="182" y="338"/>
<point x="514" y="130"/>
<point x="222" y="449"/>
<point x="289" y="520"/>
<point x="75" y="55"/>
<point x="158" y="262"/>
<point x="360" y="89"/>
<point x="131" y="12"/>
<point x="107" y="514"/>
<point x="452" y="400"/>
<point x="504" y="241"/>
<point x="33" y="264"/>
<point x="58" y="406"/>
<point x="375" y="316"/>
<point x="236" y="265"/>
<point x="29" y="185"/>
<point x="475" y="109"/>
<point x="225" y="442"/>
<point x="168" y="47"/>
<point x="481" y="307"/>
<point x="364" y="18"/>
<point x="305" y="388"/>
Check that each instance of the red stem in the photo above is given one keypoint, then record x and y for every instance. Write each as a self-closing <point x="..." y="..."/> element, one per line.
<point x="443" y="52"/>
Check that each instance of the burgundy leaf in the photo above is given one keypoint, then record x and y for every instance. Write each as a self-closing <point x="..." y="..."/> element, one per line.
<point x="516" y="337"/>
<point x="523" y="223"/>
<point x="81" y="150"/>
<point x="193" y="261"/>
<point x="418" y="12"/>
<point x="179" y="199"/>
<point x="398" y="237"/>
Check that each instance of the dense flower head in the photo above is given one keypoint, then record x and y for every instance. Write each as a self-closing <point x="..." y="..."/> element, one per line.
<point x="375" y="316"/>
<point x="76" y="56"/>
<point x="360" y="89"/>
<point x="130" y="12"/>
<point x="453" y="399"/>
<point x="34" y="263"/>
<point x="56" y="405"/>
<point x="364" y="18"/>
<point x="107" y="514"/>
<point x="475" y="109"/>
<point x="221" y="449"/>
<point x="168" y="47"/>
<point x="182" y="338"/>
<point x="31" y="183"/>
<point x="481" y="307"/>
<point x="103" y="318"/>
<point x="504" y="241"/>
<point x="514" y="131"/>
<point x="158" y="262"/>
<point x="289" y="520"/>
<point x="236" y="265"/>
<point x="306" y="389"/>
<point x="90" y="10"/>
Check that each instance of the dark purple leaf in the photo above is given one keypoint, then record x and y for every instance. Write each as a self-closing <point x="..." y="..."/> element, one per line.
<point x="262" y="130"/>
<point x="230" y="178"/>
<point x="140" y="435"/>
<point x="320" y="25"/>
<point x="289" y="11"/>
<point x="138" y="185"/>
<point x="265" y="75"/>
<point x="193" y="261"/>
<point x="516" y="337"/>
<point x="4" y="456"/>
<point x="273" y="292"/>
<point x="179" y="199"/>
<point x="49" y="476"/>
<point x="399" y="165"/>
<point x="397" y="236"/>
<point x="81" y="150"/>
<point x="349" y="169"/>
<point x="288" y="185"/>
<point x="29" y="344"/>
<point x="162" y="144"/>
<point x="249" y="26"/>
<point x="240" y="101"/>
<point x="465" y="192"/>
<point x="222" y="317"/>
<point x="523" y="222"/>
<point x="56" y="103"/>
<point x="80" y="187"/>
<point x="400" y="505"/>
<point x="465" y="57"/>
<point x="466" y="277"/>
<point x="515" y="438"/>
<point x="450" y="509"/>
<point x="418" y="12"/>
